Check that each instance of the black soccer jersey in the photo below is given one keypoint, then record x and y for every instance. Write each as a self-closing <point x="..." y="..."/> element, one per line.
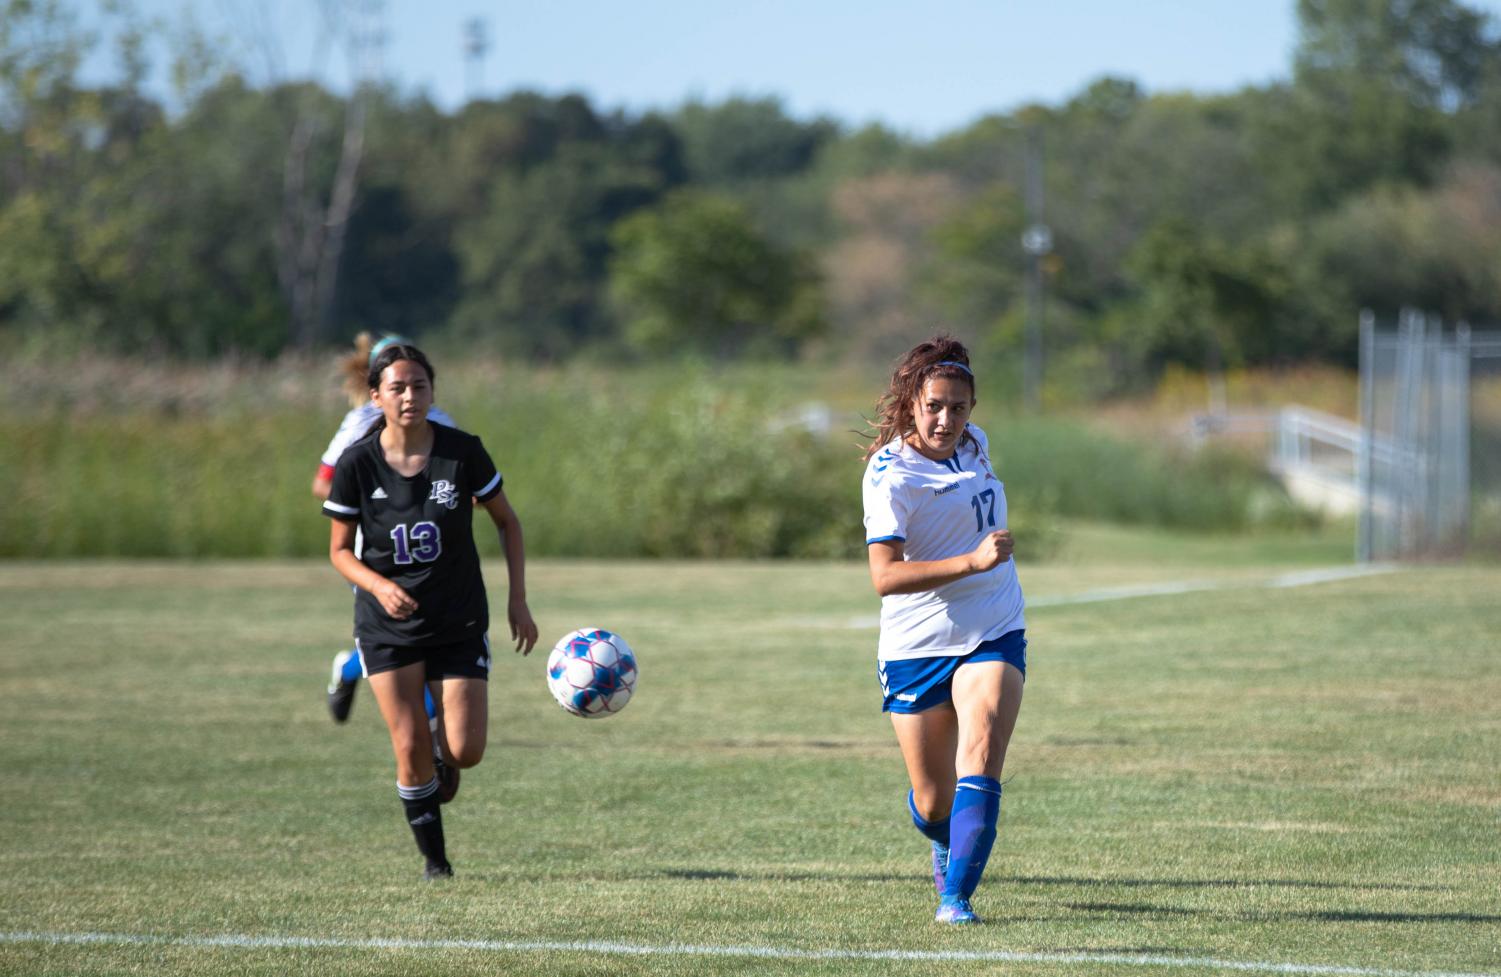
<point x="418" y="531"/>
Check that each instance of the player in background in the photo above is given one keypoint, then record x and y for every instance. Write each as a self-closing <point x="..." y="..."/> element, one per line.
<point x="421" y="616"/>
<point x="362" y="414"/>
<point x="952" y="654"/>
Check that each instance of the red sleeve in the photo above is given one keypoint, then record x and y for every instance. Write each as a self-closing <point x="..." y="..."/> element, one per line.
<point x="326" y="472"/>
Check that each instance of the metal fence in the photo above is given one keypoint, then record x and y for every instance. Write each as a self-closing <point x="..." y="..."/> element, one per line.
<point x="1417" y="495"/>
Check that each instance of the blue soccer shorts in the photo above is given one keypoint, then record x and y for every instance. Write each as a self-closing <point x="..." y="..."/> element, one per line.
<point x="916" y="684"/>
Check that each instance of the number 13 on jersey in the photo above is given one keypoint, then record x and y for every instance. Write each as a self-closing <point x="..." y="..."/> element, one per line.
<point x="420" y="542"/>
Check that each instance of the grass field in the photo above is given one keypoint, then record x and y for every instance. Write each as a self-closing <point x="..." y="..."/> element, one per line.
<point x="1245" y="779"/>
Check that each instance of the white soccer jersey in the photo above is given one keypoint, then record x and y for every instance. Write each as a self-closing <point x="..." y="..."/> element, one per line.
<point x="358" y="421"/>
<point x="940" y="509"/>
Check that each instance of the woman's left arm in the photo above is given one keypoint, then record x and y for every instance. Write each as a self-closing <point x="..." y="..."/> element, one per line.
<point x="523" y="628"/>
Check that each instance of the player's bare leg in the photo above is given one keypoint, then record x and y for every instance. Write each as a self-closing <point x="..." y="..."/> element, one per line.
<point x="466" y="718"/>
<point x="987" y="697"/>
<point x="398" y="692"/>
<point x="928" y="740"/>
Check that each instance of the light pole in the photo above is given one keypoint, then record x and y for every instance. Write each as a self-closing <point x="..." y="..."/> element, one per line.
<point x="476" y="46"/>
<point x="1037" y="242"/>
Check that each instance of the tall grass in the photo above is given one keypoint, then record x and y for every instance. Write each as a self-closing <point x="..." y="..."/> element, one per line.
<point x="648" y="462"/>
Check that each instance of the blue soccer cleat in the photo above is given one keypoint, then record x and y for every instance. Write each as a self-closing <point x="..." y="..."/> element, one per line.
<point x="956" y="910"/>
<point x="940" y="865"/>
<point x="341" y="686"/>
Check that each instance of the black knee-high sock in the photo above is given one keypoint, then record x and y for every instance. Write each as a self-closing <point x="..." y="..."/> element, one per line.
<point x="426" y="819"/>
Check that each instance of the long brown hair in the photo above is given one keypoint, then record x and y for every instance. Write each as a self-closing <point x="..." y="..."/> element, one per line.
<point x="944" y="357"/>
<point x="354" y="367"/>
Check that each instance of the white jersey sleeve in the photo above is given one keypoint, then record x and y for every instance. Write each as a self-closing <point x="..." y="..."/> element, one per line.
<point x="351" y="429"/>
<point x="886" y="506"/>
<point x="358" y="421"/>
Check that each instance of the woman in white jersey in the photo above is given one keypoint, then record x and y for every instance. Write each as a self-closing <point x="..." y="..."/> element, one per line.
<point x="952" y="655"/>
<point x="348" y="667"/>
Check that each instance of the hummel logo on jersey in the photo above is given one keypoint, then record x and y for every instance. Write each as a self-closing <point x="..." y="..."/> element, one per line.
<point x="379" y="493"/>
<point x="946" y="489"/>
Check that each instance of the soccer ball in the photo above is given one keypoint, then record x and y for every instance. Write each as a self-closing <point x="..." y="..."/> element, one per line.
<point x="591" y="672"/>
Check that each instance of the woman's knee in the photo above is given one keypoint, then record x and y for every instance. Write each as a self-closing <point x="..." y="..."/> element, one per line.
<point x="466" y="754"/>
<point x="982" y="749"/>
<point x="933" y="800"/>
<point x="408" y="742"/>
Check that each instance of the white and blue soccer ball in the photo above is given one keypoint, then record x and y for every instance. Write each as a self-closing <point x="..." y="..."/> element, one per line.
<point x="591" y="672"/>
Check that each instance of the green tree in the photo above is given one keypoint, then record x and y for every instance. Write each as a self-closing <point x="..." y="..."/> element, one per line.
<point x="534" y="261"/>
<point x="695" y="276"/>
<point x="978" y="263"/>
<point x="741" y="140"/>
<point x="1374" y="84"/>
<point x="1438" y="249"/>
<point x="1203" y="304"/>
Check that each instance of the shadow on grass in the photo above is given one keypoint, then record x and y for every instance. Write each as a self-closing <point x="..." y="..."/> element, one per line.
<point x="729" y="875"/>
<point x="1317" y="915"/>
<point x="1215" y="883"/>
<point x="717" y="875"/>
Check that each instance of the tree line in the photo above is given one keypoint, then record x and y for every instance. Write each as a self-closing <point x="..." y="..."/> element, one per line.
<point x="1236" y="229"/>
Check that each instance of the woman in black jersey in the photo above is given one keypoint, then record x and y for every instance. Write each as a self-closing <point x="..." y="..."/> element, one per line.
<point x="421" y="617"/>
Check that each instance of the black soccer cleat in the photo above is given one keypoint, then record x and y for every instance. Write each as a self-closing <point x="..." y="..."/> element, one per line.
<point x="448" y="780"/>
<point x="340" y="692"/>
<point x="436" y="872"/>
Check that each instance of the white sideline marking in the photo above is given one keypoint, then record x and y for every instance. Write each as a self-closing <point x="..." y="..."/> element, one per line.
<point x="1300" y="578"/>
<point x="691" y="950"/>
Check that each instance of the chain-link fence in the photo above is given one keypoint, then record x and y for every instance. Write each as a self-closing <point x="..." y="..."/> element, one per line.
<point x="1430" y="481"/>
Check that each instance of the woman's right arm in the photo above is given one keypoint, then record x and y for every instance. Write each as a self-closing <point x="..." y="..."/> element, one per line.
<point x="396" y="601"/>
<point x="892" y="574"/>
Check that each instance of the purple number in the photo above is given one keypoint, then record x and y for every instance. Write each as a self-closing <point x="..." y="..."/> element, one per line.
<point x="422" y="542"/>
<point x="428" y="542"/>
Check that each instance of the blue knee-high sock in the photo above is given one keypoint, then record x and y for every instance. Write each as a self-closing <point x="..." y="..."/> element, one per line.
<point x="977" y="807"/>
<point x="427" y="700"/>
<point x="935" y="830"/>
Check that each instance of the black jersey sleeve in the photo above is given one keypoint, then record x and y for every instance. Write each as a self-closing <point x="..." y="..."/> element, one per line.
<point x="486" y="480"/>
<point x="343" y="500"/>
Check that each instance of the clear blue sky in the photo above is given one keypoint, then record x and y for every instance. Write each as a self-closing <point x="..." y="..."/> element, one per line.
<point x="923" y="69"/>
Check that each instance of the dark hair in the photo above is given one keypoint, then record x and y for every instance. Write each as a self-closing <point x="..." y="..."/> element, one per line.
<point x="942" y="357"/>
<point x="394" y="353"/>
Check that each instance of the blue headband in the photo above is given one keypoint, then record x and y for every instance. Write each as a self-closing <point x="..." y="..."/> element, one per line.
<point x="384" y="342"/>
<point x="959" y="365"/>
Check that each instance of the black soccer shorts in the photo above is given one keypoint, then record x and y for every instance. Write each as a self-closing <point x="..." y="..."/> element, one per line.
<point x="469" y="658"/>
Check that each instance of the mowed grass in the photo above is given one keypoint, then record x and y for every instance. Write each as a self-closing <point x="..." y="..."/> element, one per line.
<point x="1300" y="775"/>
